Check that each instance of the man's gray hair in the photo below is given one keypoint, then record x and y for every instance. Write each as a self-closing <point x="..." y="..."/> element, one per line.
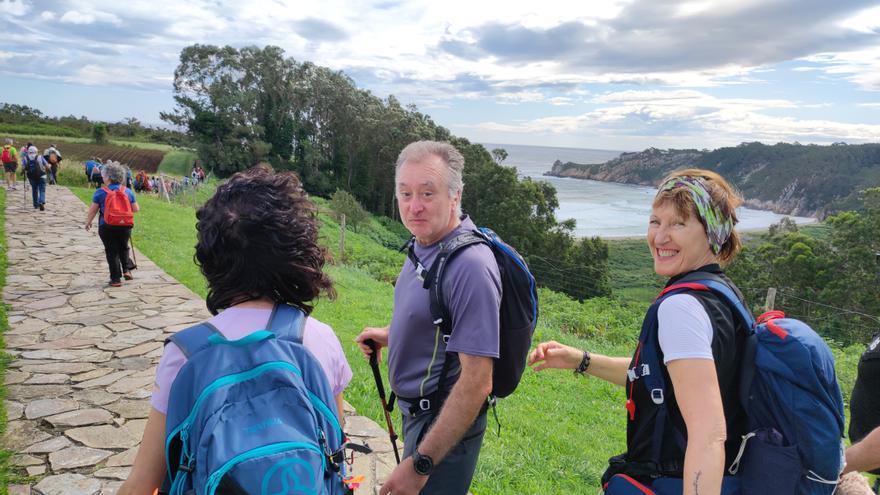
<point x="114" y="171"/>
<point x="420" y="151"/>
<point x="8" y="140"/>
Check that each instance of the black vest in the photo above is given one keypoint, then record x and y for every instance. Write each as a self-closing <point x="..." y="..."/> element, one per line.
<point x="728" y="342"/>
<point x="865" y="400"/>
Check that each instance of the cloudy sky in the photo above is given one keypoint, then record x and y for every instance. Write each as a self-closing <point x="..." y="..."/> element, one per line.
<point x="621" y="75"/>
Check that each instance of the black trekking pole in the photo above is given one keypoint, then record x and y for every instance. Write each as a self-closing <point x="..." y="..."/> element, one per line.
<point x="380" y="387"/>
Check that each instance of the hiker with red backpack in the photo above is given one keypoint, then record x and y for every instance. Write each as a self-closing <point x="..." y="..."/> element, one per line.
<point x="450" y="350"/>
<point x="117" y="206"/>
<point x="250" y="401"/>
<point x="9" y="157"/>
<point x="712" y="404"/>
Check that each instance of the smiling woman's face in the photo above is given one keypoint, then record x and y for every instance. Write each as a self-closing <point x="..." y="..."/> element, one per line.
<point x="677" y="245"/>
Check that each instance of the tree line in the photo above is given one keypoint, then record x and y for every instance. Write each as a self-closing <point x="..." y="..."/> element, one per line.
<point x="244" y="106"/>
<point x="830" y="278"/>
<point x="22" y="119"/>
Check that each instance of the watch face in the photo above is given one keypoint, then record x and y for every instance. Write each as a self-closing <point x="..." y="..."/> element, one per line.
<point x="422" y="465"/>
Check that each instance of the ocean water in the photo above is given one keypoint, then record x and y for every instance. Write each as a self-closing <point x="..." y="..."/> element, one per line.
<point x="605" y="209"/>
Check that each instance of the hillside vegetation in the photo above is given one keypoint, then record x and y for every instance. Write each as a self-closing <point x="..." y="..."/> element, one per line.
<point x="793" y="179"/>
<point x="557" y="431"/>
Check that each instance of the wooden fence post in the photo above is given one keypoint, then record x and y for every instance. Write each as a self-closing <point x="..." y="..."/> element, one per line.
<point x="770" y="302"/>
<point x="163" y="188"/>
<point x="342" y="238"/>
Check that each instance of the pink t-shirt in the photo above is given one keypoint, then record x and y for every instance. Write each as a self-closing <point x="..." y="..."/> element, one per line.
<point x="235" y="323"/>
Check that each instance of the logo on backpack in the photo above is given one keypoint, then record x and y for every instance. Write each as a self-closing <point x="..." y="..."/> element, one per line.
<point x="117" y="208"/>
<point x="255" y="415"/>
<point x="6" y="156"/>
<point x="519" y="304"/>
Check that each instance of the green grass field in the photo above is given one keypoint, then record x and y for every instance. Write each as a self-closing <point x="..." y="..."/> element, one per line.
<point x="22" y="139"/>
<point x="558" y="431"/>
<point x="177" y="162"/>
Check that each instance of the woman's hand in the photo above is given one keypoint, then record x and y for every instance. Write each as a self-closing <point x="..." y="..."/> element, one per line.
<point x="552" y="354"/>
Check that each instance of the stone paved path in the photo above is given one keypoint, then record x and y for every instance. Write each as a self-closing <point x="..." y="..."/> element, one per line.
<point x="85" y="354"/>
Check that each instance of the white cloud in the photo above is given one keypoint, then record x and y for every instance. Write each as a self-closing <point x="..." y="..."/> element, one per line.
<point x="47" y="16"/>
<point x="80" y="18"/>
<point x="862" y="67"/>
<point x="16" y="8"/>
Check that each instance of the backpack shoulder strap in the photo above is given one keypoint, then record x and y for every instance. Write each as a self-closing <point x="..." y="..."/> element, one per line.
<point x="702" y="281"/>
<point x="734" y="300"/>
<point x="434" y="278"/>
<point x="193" y="339"/>
<point x="287" y="322"/>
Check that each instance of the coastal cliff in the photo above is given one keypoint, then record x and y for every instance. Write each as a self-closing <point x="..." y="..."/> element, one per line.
<point x="790" y="179"/>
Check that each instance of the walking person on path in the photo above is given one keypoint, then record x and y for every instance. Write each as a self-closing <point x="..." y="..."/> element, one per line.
<point x="443" y="423"/>
<point x="36" y="170"/>
<point x="116" y="233"/>
<point x="53" y="157"/>
<point x="258" y="250"/>
<point x="702" y="342"/>
<point x="9" y="157"/>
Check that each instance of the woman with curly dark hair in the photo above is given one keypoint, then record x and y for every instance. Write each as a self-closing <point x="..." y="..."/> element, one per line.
<point x="258" y="250"/>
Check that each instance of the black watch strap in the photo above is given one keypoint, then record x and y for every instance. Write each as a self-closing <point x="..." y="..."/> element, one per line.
<point x="585" y="363"/>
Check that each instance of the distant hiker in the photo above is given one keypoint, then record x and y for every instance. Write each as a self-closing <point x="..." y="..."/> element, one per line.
<point x="93" y="172"/>
<point x="258" y="250"/>
<point x="36" y="169"/>
<point x="9" y="157"/>
<point x="53" y="157"/>
<point x="686" y="420"/>
<point x="116" y="205"/>
<point x="443" y="423"/>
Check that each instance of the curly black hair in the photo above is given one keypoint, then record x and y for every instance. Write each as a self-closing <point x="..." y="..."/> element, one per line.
<point x="258" y="237"/>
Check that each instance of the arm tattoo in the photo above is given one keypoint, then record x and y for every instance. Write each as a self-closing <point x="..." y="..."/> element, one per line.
<point x="697" y="483"/>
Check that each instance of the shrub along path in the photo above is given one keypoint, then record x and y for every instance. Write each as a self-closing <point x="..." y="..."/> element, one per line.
<point x="85" y="354"/>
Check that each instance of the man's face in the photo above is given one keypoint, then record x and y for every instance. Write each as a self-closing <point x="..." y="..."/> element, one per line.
<point x="426" y="209"/>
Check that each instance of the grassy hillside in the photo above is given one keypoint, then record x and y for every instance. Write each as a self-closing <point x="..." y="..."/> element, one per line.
<point x="558" y="431"/>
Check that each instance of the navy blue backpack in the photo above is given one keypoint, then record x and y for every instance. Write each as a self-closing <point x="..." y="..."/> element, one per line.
<point x="252" y="416"/>
<point x="789" y="392"/>
<point x="518" y="314"/>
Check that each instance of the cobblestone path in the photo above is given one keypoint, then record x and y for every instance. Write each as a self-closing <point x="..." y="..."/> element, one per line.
<point x="85" y="354"/>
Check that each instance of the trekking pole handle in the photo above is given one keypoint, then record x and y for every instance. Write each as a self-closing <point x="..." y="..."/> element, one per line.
<point x="374" y="363"/>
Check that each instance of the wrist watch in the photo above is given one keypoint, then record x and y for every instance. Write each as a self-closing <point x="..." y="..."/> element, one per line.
<point x="423" y="464"/>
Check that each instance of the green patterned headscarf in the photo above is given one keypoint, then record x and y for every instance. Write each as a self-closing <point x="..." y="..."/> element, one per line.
<point x="718" y="226"/>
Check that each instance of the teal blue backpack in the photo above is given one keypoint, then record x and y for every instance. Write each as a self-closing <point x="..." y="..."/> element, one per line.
<point x="252" y="416"/>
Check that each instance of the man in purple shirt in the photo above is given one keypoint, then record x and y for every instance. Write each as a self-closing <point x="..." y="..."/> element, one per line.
<point x="443" y="423"/>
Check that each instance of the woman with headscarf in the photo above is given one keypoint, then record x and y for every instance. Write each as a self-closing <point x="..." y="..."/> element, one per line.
<point x="691" y="435"/>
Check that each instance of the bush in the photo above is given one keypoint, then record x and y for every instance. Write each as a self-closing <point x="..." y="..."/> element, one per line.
<point x="99" y="133"/>
<point x="343" y="203"/>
